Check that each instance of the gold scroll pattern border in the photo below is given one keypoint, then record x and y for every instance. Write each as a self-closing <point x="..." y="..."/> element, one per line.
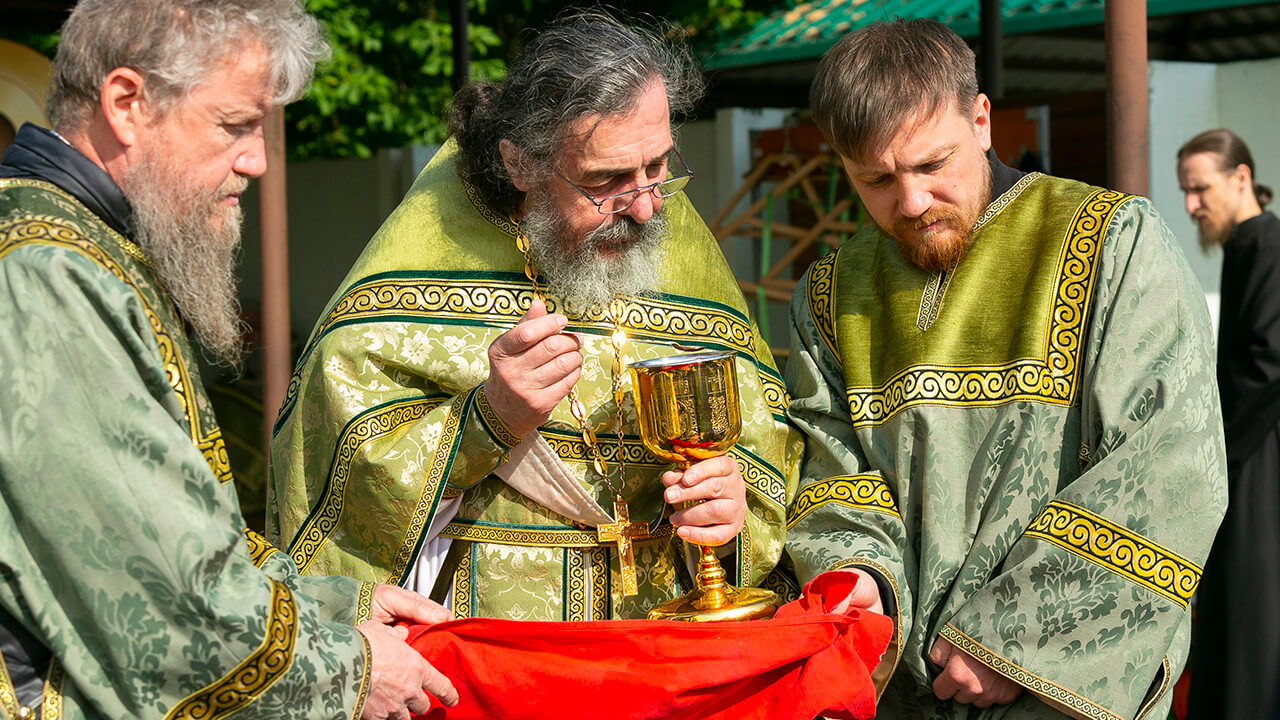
<point x="257" y="672"/>
<point x="1050" y="379"/>
<point x="1058" y="696"/>
<point x="860" y="492"/>
<point x="501" y="302"/>
<point x="820" y="292"/>
<point x="363" y="429"/>
<point x="586" y="584"/>
<point x="540" y="536"/>
<point x="259" y="548"/>
<point x="1117" y="549"/>
<point x="48" y="230"/>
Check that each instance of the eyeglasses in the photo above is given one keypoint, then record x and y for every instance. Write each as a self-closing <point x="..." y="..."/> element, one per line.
<point x="619" y="202"/>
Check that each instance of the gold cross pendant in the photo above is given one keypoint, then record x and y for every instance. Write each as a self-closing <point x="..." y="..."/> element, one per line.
<point x="621" y="531"/>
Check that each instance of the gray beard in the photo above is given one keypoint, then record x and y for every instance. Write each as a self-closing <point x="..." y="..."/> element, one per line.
<point x="577" y="272"/>
<point x="193" y="245"/>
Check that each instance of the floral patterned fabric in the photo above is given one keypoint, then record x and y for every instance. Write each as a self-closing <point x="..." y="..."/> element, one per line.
<point x="122" y="548"/>
<point x="1027" y="453"/>
<point x="384" y="420"/>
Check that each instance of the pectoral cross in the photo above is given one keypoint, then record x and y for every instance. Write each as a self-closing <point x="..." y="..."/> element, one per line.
<point x="620" y="531"/>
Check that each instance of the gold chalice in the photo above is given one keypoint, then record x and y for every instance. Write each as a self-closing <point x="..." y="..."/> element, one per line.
<point x="687" y="407"/>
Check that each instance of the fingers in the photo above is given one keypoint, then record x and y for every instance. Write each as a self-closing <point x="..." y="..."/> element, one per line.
<point x="709" y="479"/>
<point x="532" y="366"/>
<point x="392" y="603"/>
<point x="439" y="686"/>
<point x="966" y="680"/>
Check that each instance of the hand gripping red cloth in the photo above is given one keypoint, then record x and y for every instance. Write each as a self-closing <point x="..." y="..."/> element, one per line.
<point x="803" y="662"/>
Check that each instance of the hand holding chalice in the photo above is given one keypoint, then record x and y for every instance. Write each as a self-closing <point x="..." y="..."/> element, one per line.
<point x="688" y="411"/>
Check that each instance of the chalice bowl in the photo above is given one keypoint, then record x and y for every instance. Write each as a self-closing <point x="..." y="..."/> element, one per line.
<point x="687" y="407"/>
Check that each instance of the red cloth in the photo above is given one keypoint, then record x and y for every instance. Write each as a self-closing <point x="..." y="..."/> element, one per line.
<point x="801" y="663"/>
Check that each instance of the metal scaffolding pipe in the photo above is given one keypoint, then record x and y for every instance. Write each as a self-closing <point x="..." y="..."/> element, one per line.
<point x="1128" y="134"/>
<point x="274" y="333"/>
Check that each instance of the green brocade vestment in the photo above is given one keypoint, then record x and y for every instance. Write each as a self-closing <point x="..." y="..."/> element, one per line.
<point x="122" y="549"/>
<point x="1027" y="452"/>
<point x="384" y="424"/>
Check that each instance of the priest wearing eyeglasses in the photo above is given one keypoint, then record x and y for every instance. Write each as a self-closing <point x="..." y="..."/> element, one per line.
<point x="460" y="421"/>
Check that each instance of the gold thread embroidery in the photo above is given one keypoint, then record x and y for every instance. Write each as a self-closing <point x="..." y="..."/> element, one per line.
<point x="257" y="672"/>
<point x="8" y="692"/>
<point x="1166" y="673"/>
<point x="577" y="588"/>
<point x="493" y="423"/>
<point x="364" y="602"/>
<point x="538" y="536"/>
<point x="440" y="462"/>
<point x="259" y="548"/>
<point x="1052" y="692"/>
<point x="1117" y="549"/>
<point x="860" y="492"/>
<point x="998" y="205"/>
<point x="362" y="693"/>
<point x="365" y="428"/>
<point x="821" y="294"/>
<point x="931" y="300"/>
<point x="51" y="696"/>
<point x="500" y="303"/>
<point x="463" y="602"/>
<point x="59" y="233"/>
<point x="600" y="597"/>
<point x="1051" y="379"/>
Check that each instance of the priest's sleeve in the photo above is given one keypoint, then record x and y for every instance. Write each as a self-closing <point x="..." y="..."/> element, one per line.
<point x="844" y="515"/>
<point x="121" y="551"/>
<point x="1089" y="609"/>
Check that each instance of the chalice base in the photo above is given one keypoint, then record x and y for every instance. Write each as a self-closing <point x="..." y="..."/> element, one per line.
<point x="737" y="604"/>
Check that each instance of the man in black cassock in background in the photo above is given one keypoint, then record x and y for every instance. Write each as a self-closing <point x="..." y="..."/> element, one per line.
<point x="1235" y="646"/>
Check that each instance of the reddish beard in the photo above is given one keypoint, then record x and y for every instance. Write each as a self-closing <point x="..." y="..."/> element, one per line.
<point x="940" y="249"/>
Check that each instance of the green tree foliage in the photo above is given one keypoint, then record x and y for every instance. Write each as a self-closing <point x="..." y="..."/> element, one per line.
<point x="387" y="83"/>
<point x="389" y="80"/>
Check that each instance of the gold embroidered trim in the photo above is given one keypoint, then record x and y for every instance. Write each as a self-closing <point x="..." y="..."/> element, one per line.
<point x="8" y="692"/>
<point x="1056" y="694"/>
<point x="47" y="230"/>
<point x="362" y="693"/>
<point x="566" y="537"/>
<point x="1166" y="679"/>
<point x="483" y="210"/>
<point x="493" y="423"/>
<point x="775" y="392"/>
<point x="500" y="303"/>
<point x="256" y="673"/>
<point x="998" y="205"/>
<point x="931" y="300"/>
<point x="463" y="586"/>
<point x="364" y="602"/>
<point x="600" y="596"/>
<point x="51" y="696"/>
<point x="1051" y="379"/>
<point x="441" y="460"/>
<point x="577" y="585"/>
<point x="259" y="548"/>
<point x="1117" y="549"/>
<point x="821" y="294"/>
<point x="365" y="428"/>
<point x="860" y="492"/>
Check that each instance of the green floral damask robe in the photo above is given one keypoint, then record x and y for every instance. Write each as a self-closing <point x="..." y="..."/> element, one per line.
<point x="122" y="549"/>
<point x="385" y="433"/>
<point x="1026" y="453"/>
